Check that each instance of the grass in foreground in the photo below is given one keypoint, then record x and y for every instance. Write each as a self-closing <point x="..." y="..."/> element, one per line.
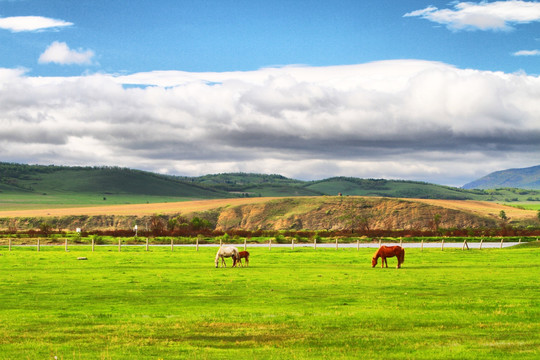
<point x="301" y="304"/>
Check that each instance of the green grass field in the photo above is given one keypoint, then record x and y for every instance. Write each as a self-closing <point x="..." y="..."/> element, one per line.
<point x="16" y="201"/>
<point x="289" y="304"/>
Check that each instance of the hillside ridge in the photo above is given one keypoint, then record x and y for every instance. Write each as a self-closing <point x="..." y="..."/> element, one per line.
<point x="108" y="181"/>
<point x="298" y="213"/>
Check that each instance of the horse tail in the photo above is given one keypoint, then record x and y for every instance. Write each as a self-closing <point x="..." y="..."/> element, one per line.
<point x="402" y="255"/>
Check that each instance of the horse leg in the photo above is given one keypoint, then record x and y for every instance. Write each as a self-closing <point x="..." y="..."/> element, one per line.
<point x="247" y="262"/>
<point x="383" y="260"/>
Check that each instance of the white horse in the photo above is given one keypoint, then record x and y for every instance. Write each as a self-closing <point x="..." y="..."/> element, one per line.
<point x="226" y="251"/>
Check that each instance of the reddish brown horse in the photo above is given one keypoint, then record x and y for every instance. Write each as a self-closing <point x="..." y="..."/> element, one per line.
<point x="245" y="255"/>
<point x="388" y="251"/>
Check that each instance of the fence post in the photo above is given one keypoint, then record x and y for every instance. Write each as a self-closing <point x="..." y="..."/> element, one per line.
<point x="465" y="244"/>
<point x="292" y="244"/>
<point x="9" y="244"/>
<point x="337" y="243"/>
<point x="357" y="245"/>
<point x="315" y="244"/>
<point x="501" y="243"/>
<point x="65" y="244"/>
<point x="197" y="244"/>
<point x="93" y="243"/>
<point x="380" y="242"/>
<point x="119" y="245"/>
<point x="245" y="244"/>
<point x="442" y="244"/>
<point x="422" y="245"/>
<point x="519" y="241"/>
<point x="146" y="244"/>
<point x="38" y="244"/>
<point x="220" y="242"/>
<point x="481" y="242"/>
<point x="401" y="241"/>
<point x="172" y="244"/>
<point x="270" y="244"/>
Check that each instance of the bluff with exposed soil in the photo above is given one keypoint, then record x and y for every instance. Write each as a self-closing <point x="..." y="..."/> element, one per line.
<point x="347" y="213"/>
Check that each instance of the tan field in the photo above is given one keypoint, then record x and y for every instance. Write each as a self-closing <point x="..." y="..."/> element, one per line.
<point x="483" y="208"/>
<point x="136" y="209"/>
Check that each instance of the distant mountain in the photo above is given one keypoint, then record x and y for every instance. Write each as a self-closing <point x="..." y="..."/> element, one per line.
<point x="525" y="178"/>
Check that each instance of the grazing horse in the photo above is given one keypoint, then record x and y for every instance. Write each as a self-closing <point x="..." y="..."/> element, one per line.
<point x="245" y="255"/>
<point x="226" y="251"/>
<point x="388" y="251"/>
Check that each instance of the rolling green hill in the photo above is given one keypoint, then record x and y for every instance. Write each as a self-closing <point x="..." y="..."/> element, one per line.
<point x="91" y="184"/>
<point x="97" y="180"/>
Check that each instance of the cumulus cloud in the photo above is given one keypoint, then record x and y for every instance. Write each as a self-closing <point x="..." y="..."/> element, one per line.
<point x="60" y="53"/>
<point x="403" y="119"/>
<point x="498" y="15"/>
<point x="31" y="23"/>
<point x="527" y="53"/>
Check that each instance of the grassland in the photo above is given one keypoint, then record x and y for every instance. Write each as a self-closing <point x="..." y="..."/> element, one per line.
<point x="32" y="201"/>
<point x="301" y="304"/>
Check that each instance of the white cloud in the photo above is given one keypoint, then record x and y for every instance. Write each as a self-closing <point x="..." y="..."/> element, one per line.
<point x="60" y="53"/>
<point x="527" y="53"/>
<point x="402" y="119"/>
<point x="31" y="23"/>
<point x="498" y="15"/>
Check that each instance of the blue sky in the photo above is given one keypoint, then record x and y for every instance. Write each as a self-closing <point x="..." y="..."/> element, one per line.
<point x="135" y="36"/>
<point x="436" y="91"/>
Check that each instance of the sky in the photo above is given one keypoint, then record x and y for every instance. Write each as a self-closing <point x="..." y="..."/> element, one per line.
<point x="437" y="91"/>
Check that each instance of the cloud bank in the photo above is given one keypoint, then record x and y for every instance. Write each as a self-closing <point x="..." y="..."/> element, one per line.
<point x="60" y="53"/>
<point x="31" y="23"/>
<point x="403" y="119"/>
<point x="498" y="15"/>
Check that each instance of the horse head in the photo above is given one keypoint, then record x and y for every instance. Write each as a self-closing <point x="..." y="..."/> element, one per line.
<point x="373" y="262"/>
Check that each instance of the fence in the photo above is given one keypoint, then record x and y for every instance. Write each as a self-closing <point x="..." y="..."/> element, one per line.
<point x="337" y="245"/>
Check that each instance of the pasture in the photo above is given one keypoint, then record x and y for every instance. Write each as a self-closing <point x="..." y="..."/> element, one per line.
<point x="288" y="304"/>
